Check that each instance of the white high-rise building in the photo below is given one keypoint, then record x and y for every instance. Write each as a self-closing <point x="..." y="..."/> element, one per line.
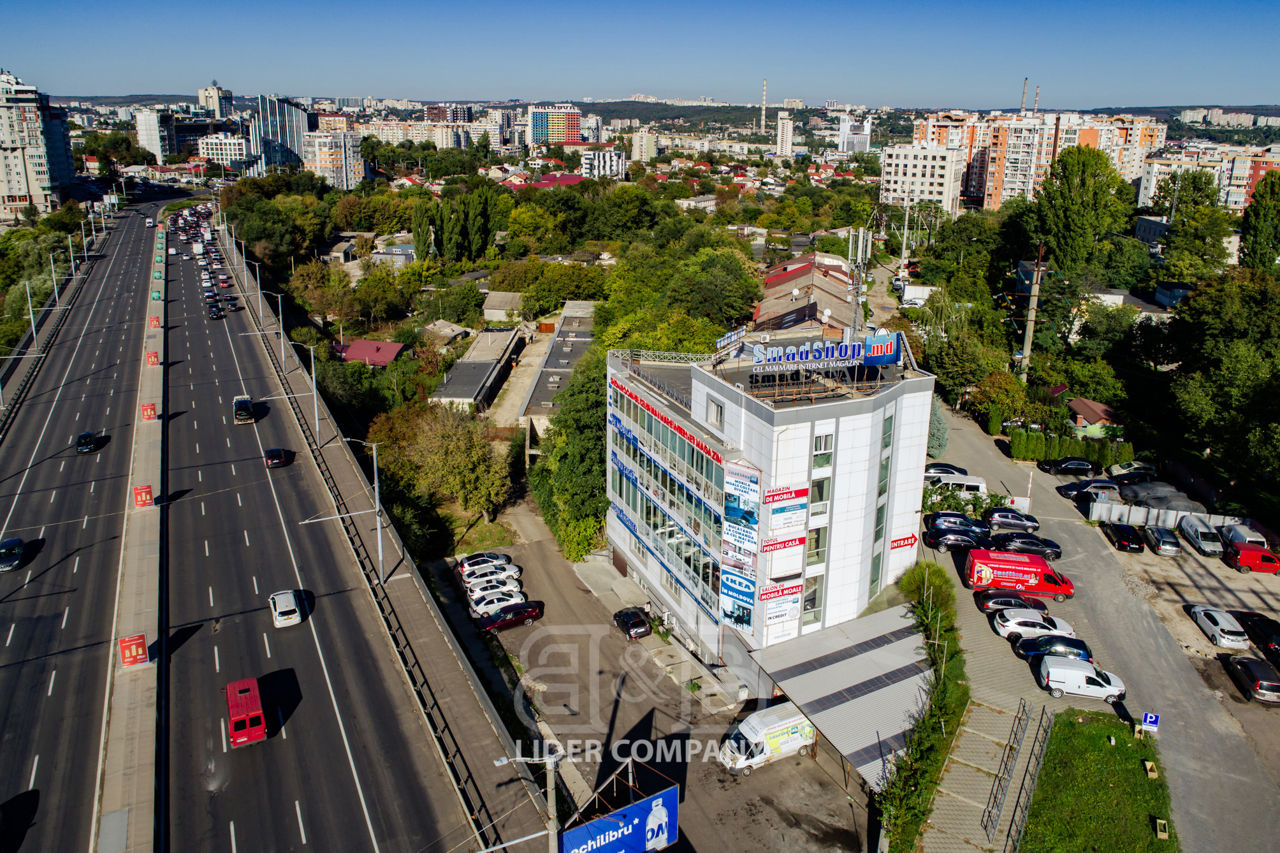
<point x="644" y="146"/>
<point x="604" y="164"/>
<point x="35" y="150"/>
<point x="910" y="174"/>
<point x="782" y="146"/>
<point x="851" y="142"/>
<point x="334" y="156"/>
<point x="231" y="151"/>
<point x="216" y="100"/>
<point x="155" y="133"/>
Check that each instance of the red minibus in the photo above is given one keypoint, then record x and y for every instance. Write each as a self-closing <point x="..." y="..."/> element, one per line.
<point x="244" y="708"/>
<point x="1024" y="573"/>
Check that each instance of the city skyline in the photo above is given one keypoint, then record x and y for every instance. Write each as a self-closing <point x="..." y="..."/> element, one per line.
<point x="918" y="54"/>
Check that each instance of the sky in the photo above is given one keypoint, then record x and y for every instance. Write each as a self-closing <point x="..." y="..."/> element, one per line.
<point x="902" y="53"/>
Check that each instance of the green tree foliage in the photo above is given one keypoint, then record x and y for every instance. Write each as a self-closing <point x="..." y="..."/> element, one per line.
<point x="939" y="432"/>
<point x="1195" y="188"/>
<point x="1083" y="200"/>
<point x="960" y="361"/>
<point x="119" y="147"/>
<point x="553" y="284"/>
<point x="1260" y="226"/>
<point x="716" y="284"/>
<point x="1194" y="247"/>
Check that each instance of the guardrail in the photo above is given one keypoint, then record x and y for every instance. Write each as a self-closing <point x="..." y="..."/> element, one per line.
<point x="1008" y="760"/>
<point x="1030" y="776"/>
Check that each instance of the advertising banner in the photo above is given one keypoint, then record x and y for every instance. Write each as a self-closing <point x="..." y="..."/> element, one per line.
<point x="882" y="349"/>
<point x="133" y="650"/>
<point x="782" y="602"/>
<point x="786" y="508"/>
<point x="647" y="825"/>
<point x="737" y="599"/>
<point x="142" y="497"/>
<point x="740" y="541"/>
<point x="781" y="543"/>
<point x="742" y="505"/>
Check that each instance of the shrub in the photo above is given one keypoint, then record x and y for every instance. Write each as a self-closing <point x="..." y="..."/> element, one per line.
<point x="1036" y="446"/>
<point x="1018" y="444"/>
<point x="1053" y="449"/>
<point x="995" y="421"/>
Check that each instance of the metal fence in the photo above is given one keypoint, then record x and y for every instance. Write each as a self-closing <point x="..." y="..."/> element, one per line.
<point x="1022" y="806"/>
<point x="1146" y="516"/>
<point x="1008" y="761"/>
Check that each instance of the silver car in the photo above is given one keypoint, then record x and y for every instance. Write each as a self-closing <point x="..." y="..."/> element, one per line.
<point x="1162" y="541"/>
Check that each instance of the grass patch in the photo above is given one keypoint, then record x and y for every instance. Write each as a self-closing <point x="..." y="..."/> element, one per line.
<point x="175" y="206"/>
<point x="471" y="534"/>
<point x="1094" y="796"/>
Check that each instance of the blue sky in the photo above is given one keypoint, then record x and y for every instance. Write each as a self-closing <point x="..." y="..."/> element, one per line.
<point x="907" y="53"/>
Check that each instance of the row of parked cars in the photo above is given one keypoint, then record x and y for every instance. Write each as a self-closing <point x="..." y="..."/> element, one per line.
<point x="495" y="597"/>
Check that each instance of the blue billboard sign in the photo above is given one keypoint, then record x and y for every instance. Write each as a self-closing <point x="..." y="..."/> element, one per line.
<point x="649" y="824"/>
<point x="881" y="349"/>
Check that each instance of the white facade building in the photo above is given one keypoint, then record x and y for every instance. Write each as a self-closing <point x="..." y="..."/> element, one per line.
<point x="334" y="156"/>
<point x="910" y="174"/>
<point x="851" y="142"/>
<point x="783" y="145"/>
<point x="35" y="150"/>
<point x="770" y="492"/>
<point x="216" y="100"/>
<point x="644" y="146"/>
<point x="604" y="164"/>
<point x="231" y="151"/>
<point x="155" y="133"/>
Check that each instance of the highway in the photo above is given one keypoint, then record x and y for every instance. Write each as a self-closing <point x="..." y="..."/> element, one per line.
<point x="349" y="763"/>
<point x="56" y="610"/>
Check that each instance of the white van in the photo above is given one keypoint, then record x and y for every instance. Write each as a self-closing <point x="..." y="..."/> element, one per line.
<point x="969" y="485"/>
<point x="1061" y="675"/>
<point x="767" y="736"/>
<point x="1241" y="533"/>
<point x="1200" y="535"/>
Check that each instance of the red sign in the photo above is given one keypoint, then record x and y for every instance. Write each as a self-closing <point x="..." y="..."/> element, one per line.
<point x="771" y="545"/>
<point x="773" y="496"/>
<point x="153" y="358"/>
<point x="148" y="411"/>
<point x="905" y="542"/>
<point x="771" y="592"/>
<point x="154" y="322"/>
<point x="681" y="431"/>
<point x="142" y="496"/>
<point x="133" y="650"/>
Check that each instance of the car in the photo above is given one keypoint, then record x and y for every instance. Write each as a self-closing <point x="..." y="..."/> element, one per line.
<point x="954" y="539"/>
<point x="216" y="313"/>
<point x="222" y="282"/>
<point x="491" y="586"/>
<point x="276" y="457"/>
<point x="1080" y="488"/>
<point x="992" y="600"/>
<point x="522" y="613"/>
<point x="479" y="576"/>
<point x="1264" y="633"/>
<point x="1130" y="467"/>
<point x="1027" y="543"/>
<point x="633" y="622"/>
<point x="494" y="602"/>
<point x="958" y="520"/>
<point x="11" y="551"/>
<point x="1257" y="679"/>
<point x="1007" y="516"/>
<point x="1016" y="623"/>
<point x="86" y="442"/>
<point x="1123" y="537"/>
<point x="284" y="609"/>
<point x="482" y="560"/>
<point x="1065" y="647"/>
<point x="1220" y="627"/>
<point x="185" y="256"/>
<point x="912" y="303"/>
<point x="1134" y="478"/>
<point x="1066" y="465"/>
<point x="946" y="468"/>
<point x="1247" y="557"/>
<point x="1162" y="541"/>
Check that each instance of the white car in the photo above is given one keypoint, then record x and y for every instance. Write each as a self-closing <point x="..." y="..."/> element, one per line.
<point x="1020" y="623"/>
<point x="1126" y="467"/>
<point x="482" y="560"/>
<point x="489" y="587"/>
<point x="284" y="609"/>
<point x="494" y="602"/>
<point x="492" y="573"/>
<point x="1220" y="626"/>
<point x="912" y="303"/>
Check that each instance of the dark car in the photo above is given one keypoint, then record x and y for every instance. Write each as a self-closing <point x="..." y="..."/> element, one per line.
<point x="1264" y="633"/>
<point x="11" y="551"/>
<point x="632" y="622"/>
<point x="216" y="313"/>
<point x="1067" y="647"/>
<point x="1257" y="679"/>
<point x="1134" y="478"/>
<point x="1125" y="537"/>
<point x="524" y="613"/>
<point x="945" y="468"/>
<point x="86" y="442"/>
<point x="1007" y="516"/>
<point x="1080" y="488"/>
<point x="992" y="600"/>
<point x="276" y="457"/>
<point x="954" y="539"/>
<point x="1066" y="465"/>
<point x="1027" y="543"/>
<point x="958" y="520"/>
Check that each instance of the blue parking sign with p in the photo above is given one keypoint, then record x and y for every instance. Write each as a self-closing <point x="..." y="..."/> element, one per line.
<point x="1150" y="721"/>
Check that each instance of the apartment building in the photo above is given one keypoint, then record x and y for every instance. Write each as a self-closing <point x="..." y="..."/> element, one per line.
<point x="448" y="113"/>
<point x="555" y="125"/>
<point x="330" y="122"/>
<point x="276" y="132"/>
<point x="783" y="141"/>
<point x="1009" y="155"/>
<point x="1236" y="170"/>
<point x="910" y="174"/>
<point x="156" y="133"/>
<point x="770" y="490"/>
<point x="334" y="156"/>
<point x="216" y="100"/>
<point x="35" y="150"/>
<point x="229" y="150"/>
<point x="604" y="164"/>
<point x="644" y="146"/>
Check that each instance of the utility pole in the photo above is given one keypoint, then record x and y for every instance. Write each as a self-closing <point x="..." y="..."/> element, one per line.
<point x="1031" y="314"/>
<point x="906" y="230"/>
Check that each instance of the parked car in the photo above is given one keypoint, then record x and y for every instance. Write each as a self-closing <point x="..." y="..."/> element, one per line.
<point x="1093" y="487"/>
<point x="523" y="613"/>
<point x="912" y="303"/>
<point x="1066" y="465"/>
<point x="1264" y="633"/>
<point x="494" y="602"/>
<point x="1220" y="627"/>
<point x="1246" y="557"/>
<point x="954" y="539"/>
<point x="1134" y="478"/>
<point x="482" y="560"/>
<point x="1015" y="624"/>
<point x="491" y="586"/>
<point x="1066" y="647"/>
<point x="632" y="622"/>
<point x="946" y="468"/>
<point x="284" y="609"/>
<point x="1200" y="535"/>
<point x="992" y="600"/>
<point x="489" y="573"/>
<point x="1027" y="543"/>
<point x="1123" y="537"/>
<point x="1162" y="541"/>
<point x="1240" y="533"/>
<point x="1061" y="675"/>
<point x="1007" y="516"/>
<point x="1257" y="679"/>
<point x="1129" y="467"/>
<point x="957" y="520"/>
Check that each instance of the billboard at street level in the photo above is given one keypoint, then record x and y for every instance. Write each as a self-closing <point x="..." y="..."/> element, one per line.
<point x="649" y="824"/>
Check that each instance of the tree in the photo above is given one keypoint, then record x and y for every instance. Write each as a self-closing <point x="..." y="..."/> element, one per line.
<point x="1260" y="226"/>
<point x="1083" y="200"/>
<point x="1194" y="188"/>
<point x="420" y="221"/>
<point x="1195" y="247"/>
<point x="939" y="432"/>
<point x="716" y="284"/>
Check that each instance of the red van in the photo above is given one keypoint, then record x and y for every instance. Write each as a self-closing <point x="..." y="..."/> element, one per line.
<point x="1024" y="573"/>
<point x="1246" y="557"/>
<point x="244" y="709"/>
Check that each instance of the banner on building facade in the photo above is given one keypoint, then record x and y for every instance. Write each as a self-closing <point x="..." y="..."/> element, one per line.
<point x="787" y="509"/>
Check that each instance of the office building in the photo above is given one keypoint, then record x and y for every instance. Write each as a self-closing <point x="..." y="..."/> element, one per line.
<point x="35" y="150"/>
<point x="156" y="133"/>
<point x="231" y="151"/>
<point x="769" y="490"/>
<point x="334" y="156"/>
<point x="849" y="141"/>
<point x="216" y="100"/>
<point x="782" y="146"/>
<point x="555" y="125"/>
<point x="644" y="146"/>
<point x="604" y="164"/>
<point x="276" y="132"/>
<point x="910" y="174"/>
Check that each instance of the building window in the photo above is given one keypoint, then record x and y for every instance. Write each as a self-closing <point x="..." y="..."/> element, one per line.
<point x="822" y="445"/>
<point x="672" y="586"/>
<point x="881" y="512"/>
<point x="883" y="486"/>
<point x="715" y="412"/>
<point x="812" y="608"/>
<point x="886" y="432"/>
<point x="816" y="547"/>
<point x="819" y="495"/>
<point x="875" y="576"/>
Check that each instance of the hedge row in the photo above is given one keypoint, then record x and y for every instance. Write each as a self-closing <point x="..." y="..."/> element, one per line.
<point x="1030" y="445"/>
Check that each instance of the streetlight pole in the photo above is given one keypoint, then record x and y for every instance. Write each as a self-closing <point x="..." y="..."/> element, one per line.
<point x="53" y="273"/>
<point x="377" y="500"/>
<point x="280" y="322"/>
<point x="315" y="390"/>
<point x="83" y="245"/>
<point x="31" y="314"/>
<point x="550" y="760"/>
<point x="71" y="251"/>
<point x="257" y="280"/>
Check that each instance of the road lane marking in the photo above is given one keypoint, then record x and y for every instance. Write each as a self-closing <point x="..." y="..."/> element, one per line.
<point x="238" y="501"/>
<point x="40" y="535"/>
<point x="9" y="639"/>
<point x="233" y="836"/>
<point x="266" y="643"/>
<point x="63" y="465"/>
<point x="228" y="441"/>
<point x="77" y="416"/>
<point x="224" y="420"/>
<point x="28" y="580"/>
<point x="233" y="469"/>
<point x="52" y="676"/>
<point x="302" y="831"/>
<point x="255" y="584"/>
<point x="53" y="495"/>
<point x="202" y="507"/>
<point x="206" y="553"/>
<point x="92" y="484"/>
<point x="195" y="424"/>
<point x="283" y="733"/>
<point x="222" y="731"/>
<point x="197" y="447"/>
<point x="199" y="476"/>
<point x="217" y="664"/>
<point x="246" y="539"/>
<point x="65" y="612"/>
<point x="35" y="762"/>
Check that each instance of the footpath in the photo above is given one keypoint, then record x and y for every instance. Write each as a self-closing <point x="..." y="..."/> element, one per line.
<point x="503" y="802"/>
